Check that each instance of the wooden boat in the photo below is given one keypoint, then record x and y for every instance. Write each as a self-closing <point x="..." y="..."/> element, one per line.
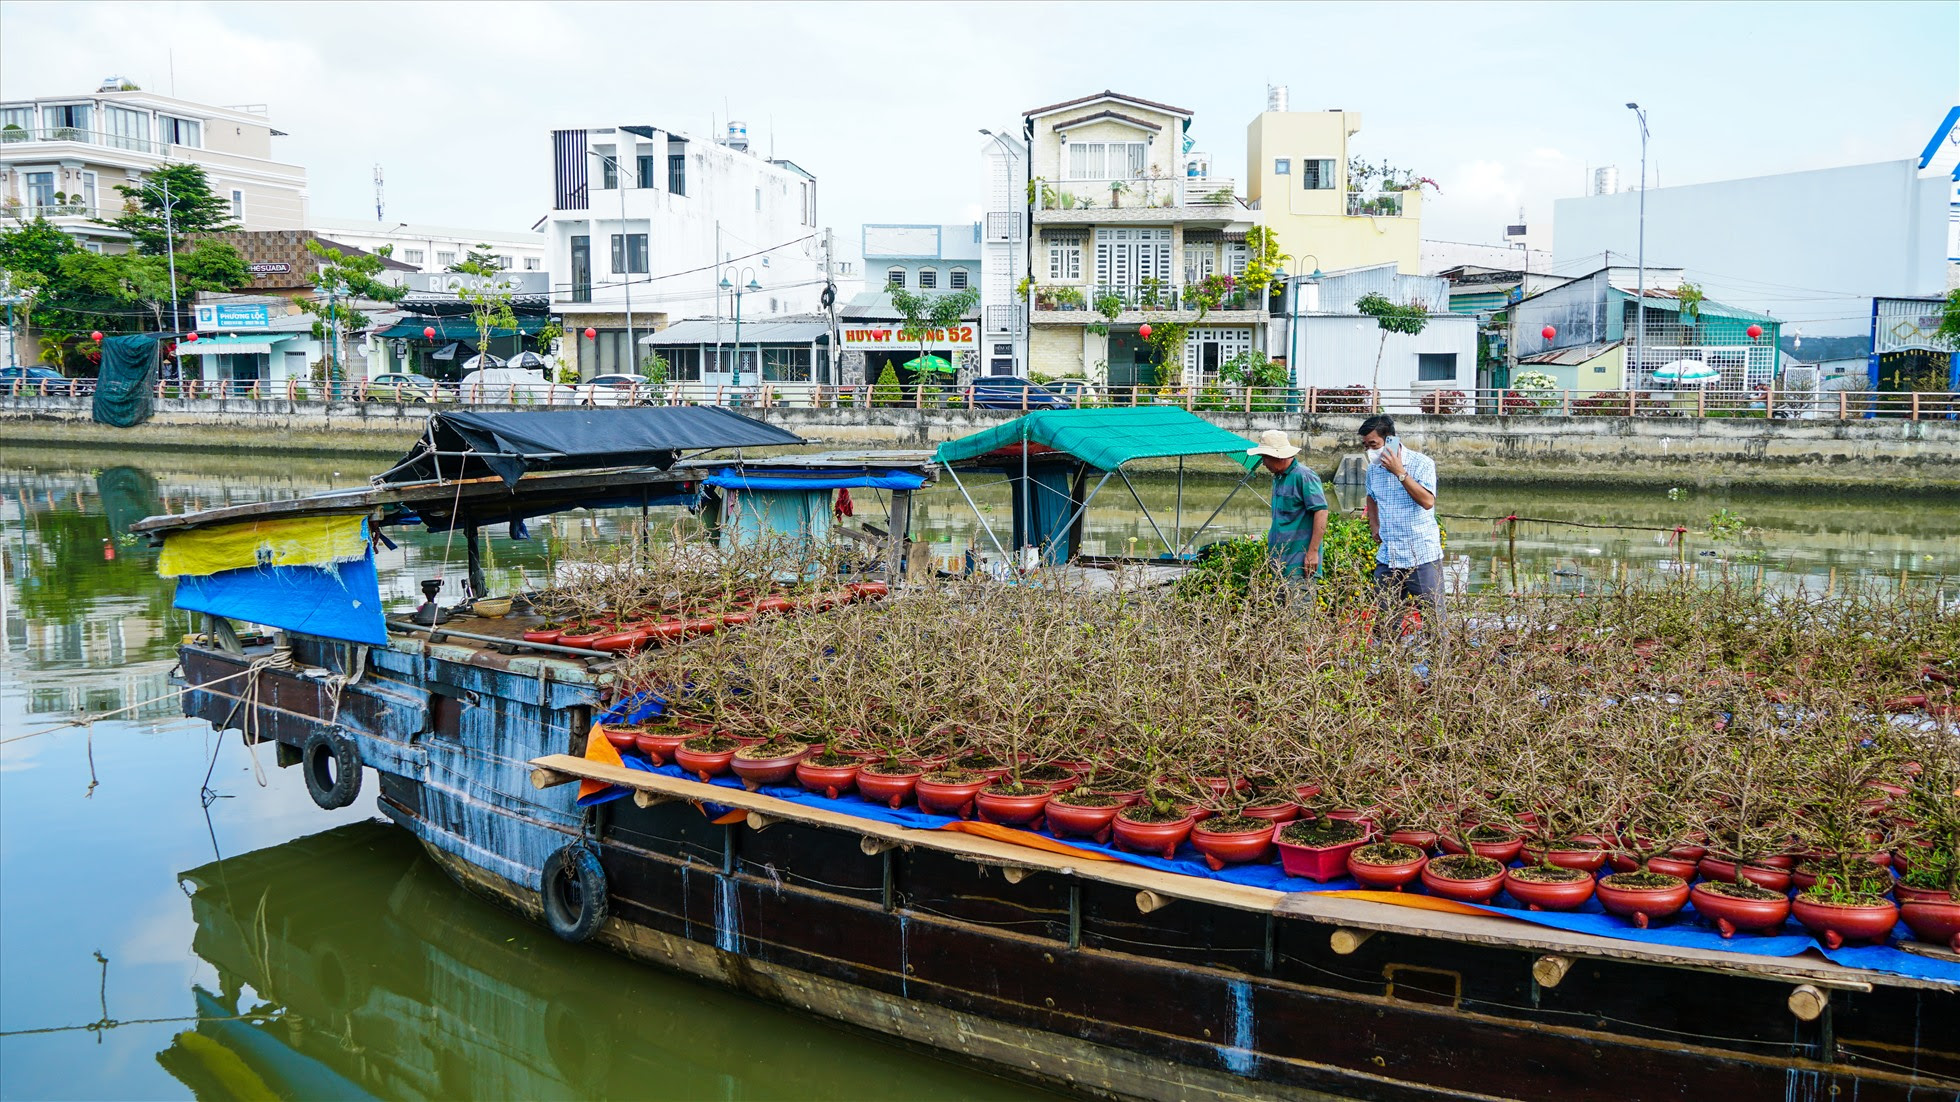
<point x="1097" y="977"/>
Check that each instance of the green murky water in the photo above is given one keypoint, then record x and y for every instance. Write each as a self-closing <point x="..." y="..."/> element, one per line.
<point x="255" y="944"/>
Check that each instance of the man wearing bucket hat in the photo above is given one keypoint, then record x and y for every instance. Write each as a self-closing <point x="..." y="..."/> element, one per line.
<point x="1299" y="514"/>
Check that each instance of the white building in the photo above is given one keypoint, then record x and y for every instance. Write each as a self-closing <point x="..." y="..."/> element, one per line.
<point x="428" y="248"/>
<point x="63" y="156"/>
<point x="1812" y="248"/>
<point x="646" y="224"/>
<point x="1003" y="256"/>
<point x="1333" y="344"/>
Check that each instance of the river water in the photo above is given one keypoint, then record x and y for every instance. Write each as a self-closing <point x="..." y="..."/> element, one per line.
<point x="181" y="922"/>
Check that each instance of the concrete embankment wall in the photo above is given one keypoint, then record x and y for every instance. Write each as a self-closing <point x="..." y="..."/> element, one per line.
<point x="1897" y="455"/>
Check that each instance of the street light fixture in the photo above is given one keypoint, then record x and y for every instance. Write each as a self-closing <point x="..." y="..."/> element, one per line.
<point x="1640" y="287"/>
<point x="625" y="260"/>
<point x="726" y="285"/>
<point x="169" y="246"/>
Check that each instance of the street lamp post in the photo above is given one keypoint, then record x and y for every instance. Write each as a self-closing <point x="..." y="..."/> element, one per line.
<point x="169" y="246"/>
<point x="739" y="289"/>
<point x="625" y="259"/>
<point x="1293" y="320"/>
<point x="1640" y="286"/>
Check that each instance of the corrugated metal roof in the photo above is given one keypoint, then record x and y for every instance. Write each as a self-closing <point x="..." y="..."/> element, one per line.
<point x="1571" y="357"/>
<point x="1668" y="299"/>
<point x="797" y="329"/>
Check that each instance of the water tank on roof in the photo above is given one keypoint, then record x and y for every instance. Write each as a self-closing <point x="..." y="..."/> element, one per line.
<point x="738" y="135"/>
<point x="1275" y="97"/>
<point x="1606" y="180"/>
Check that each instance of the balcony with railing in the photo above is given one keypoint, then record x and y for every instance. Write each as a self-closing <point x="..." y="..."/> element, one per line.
<point x="1140" y="199"/>
<point x="14" y="208"/>
<point x="1216" y="299"/>
<point x="83" y="136"/>
<point x="1388" y="204"/>
<point x="1004" y="318"/>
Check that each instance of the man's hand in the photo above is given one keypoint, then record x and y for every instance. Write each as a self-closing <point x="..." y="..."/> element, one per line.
<point x="1392" y="461"/>
<point x="1312" y="562"/>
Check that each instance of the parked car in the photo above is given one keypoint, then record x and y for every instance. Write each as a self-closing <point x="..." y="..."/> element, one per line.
<point x="399" y="386"/>
<point x="615" y="390"/>
<point x="1012" y="392"/>
<point x="514" y="384"/>
<point x="41" y="380"/>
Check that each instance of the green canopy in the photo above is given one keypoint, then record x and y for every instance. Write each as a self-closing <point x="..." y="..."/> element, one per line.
<point x="1105" y="438"/>
<point x="456" y="327"/>
<point x="930" y="362"/>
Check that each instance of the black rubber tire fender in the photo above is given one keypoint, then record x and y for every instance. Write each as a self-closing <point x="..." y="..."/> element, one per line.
<point x="574" y="890"/>
<point x="331" y="764"/>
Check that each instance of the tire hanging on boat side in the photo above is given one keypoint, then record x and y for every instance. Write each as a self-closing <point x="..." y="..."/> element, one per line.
<point x="574" y="891"/>
<point x="331" y="764"/>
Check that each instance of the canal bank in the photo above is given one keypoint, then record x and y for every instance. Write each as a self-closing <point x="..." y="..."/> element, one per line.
<point x="1887" y="455"/>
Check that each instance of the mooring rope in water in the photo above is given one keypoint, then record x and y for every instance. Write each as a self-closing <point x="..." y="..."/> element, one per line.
<point x="90" y="721"/>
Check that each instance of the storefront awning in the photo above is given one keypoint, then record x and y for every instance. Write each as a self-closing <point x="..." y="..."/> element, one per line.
<point x="233" y="344"/>
<point x="459" y="328"/>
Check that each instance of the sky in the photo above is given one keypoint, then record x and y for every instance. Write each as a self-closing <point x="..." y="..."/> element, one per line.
<point x="1506" y="106"/>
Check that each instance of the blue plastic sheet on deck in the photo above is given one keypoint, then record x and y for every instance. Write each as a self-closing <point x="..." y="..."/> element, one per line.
<point x="336" y="602"/>
<point x="1683" y="931"/>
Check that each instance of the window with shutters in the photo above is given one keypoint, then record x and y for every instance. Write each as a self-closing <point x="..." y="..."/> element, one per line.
<point x="956" y="279"/>
<point x="1107" y="160"/>
<point x="1125" y="257"/>
<point x="895" y="277"/>
<point x="1065" y="257"/>
<point x="1206" y="349"/>
<point x="928" y="279"/>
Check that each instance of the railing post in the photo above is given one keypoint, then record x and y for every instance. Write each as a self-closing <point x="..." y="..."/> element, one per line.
<point x="1024" y="399"/>
<point x="1701" y="401"/>
<point x="1566" y="399"/>
<point x="1313" y="400"/>
<point x="1769" y="402"/>
<point x="719" y="393"/>
<point x="1631" y="392"/>
<point x="1844" y="411"/>
<point x="1915" y="405"/>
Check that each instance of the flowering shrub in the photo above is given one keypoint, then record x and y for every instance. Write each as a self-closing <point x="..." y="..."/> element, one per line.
<point x="1445" y="401"/>
<point x="1353" y="398"/>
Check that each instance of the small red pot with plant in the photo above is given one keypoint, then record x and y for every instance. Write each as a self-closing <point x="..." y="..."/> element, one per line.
<point x="1464" y="877"/>
<point x="1151" y="826"/>
<point x="1010" y="804"/>
<point x="706" y="756"/>
<point x="950" y="791"/>
<point x="1282" y="811"/>
<point x="1485" y="841"/>
<point x="659" y="743"/>
<point x="829" y="772"/>
<point x="1391" y="865"/>
<point x="1424" y="840"/>
<point x="1051" y="775"/>
<point x="1318" y="848"/>
<point x="1641" y="896"/>
<point x="1723" y="869"/>
<point x="1837" y="917"/>
<point x="1586" y="853"/>
<point x="1934" y="921"/>
<point x="1744" y="906"/>
<point x="890" y="782"/>
<point x="1233" y="839"/>
<point x="1543" y="887"/>
<point x="1077" y="813"/>
<point x="769" y="762"/>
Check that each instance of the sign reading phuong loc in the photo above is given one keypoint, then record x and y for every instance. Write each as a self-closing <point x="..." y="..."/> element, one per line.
<point x="240" y="315"/>
<point x="957" y="337"/>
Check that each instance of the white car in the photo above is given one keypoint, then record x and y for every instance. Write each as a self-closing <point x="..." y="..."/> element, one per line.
<point x="616" y="390"/>
<point x="514" y="385"/>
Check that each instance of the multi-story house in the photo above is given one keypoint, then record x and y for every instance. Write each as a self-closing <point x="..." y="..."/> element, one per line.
<point x="431" y="249"/>
<point x="1004" y="255"/>
<point x="650" y="225"/>
<point x="1128" y="226"/>
<point x="1594" y="320"/>
<point x="925" y="259"/>
<point x="1326" y="212"/>
<point x="62" y="157"/>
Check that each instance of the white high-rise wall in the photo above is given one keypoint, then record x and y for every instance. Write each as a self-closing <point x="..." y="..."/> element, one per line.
<point x="1812" y="248"/>
<point x="1003" y="257"/>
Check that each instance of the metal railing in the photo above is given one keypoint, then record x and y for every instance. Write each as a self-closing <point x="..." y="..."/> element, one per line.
<point x="1764" y="403"/>
<point x="1386" y="205"/>
<point x="85" y="136"/>
<point x="57" y="210"/>
<point x="1142" y="193"/>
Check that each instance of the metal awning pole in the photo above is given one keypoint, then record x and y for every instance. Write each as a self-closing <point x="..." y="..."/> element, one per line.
<point x="1027" y="492"/>
<point x="1177" y="520"/>
<point x="1195" y="532"/>
<point x="977" y="515"/>
<point x="1134" y="496"/>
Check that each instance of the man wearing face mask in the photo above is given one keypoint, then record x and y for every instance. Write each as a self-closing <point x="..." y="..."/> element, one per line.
<point x="1402" y="514"/>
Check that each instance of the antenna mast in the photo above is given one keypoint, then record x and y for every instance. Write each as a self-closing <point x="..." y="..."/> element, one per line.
<point x="377" y="193"/>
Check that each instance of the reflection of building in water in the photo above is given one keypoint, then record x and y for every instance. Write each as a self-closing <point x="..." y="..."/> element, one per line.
<point x="148" y="687"/>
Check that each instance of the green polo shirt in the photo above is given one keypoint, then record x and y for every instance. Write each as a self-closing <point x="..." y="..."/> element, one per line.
<point x="1297" y="496"/>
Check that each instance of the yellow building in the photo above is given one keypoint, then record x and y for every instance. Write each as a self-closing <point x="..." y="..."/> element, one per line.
<point x="1297" y="177"/>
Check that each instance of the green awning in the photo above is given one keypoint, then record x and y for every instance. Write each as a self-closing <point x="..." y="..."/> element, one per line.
<point x="1105" y="438"/>
<point x="457" y="328"/>
<point x="233" y="344"/>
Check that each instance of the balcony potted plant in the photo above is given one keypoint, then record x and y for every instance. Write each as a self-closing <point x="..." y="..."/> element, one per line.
<point x="1068" y="298"/>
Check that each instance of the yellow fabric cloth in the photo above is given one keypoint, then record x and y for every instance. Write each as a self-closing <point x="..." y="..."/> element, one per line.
<point x="294" y="541"/>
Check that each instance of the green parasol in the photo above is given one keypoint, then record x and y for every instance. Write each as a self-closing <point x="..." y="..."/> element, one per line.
<point x="930" y="362"/>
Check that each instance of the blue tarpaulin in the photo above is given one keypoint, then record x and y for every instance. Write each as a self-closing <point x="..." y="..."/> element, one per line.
<point x="335" y="602"/>
<point x="730" y="478"/>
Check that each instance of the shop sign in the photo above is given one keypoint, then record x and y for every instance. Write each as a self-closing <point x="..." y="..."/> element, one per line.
<point x="242" y="315"/>
<point x="895" y="336"/>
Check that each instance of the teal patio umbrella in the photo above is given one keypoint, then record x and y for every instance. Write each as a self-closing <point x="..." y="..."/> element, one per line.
<point x="1686" y="371"/>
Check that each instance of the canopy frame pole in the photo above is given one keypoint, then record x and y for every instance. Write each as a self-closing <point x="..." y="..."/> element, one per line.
<point x="1199" y="530"/>
<point x="1027" y="487"/>
<point x="1084" y="507"/>
<point x="977" y="514"/>
<point x="425" y="446"/>
<point x="1177" y="521"/>
<point x="1134" y="496"/>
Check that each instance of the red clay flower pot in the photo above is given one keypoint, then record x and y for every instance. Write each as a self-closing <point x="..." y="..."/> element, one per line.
<point x="1717" y="868"/>
<point x="1306" y="792"/>
<point x="660" y="745"/>
<point x="586" y="639"/>
<point x="756" y="772"/>
<point x="544" y="635"/>
<point x="1501" y="852"/>
<point x="831" y="780"/>
<point x="1284" y="812"/>
<point x="949" y="797"/>
<point x="622" y="737"/>
<point x="1934" y="922"/>
<point x="1584" y="858"/>
<point x="1641" y="905"/>
<point x="1481" y="890"/>
<point x="1729" y="913"/>
<point x="1128" y="796"/>
<point x="1322" y="863"/>
<point x="1906" y="893"/>
<point x="1672" y="866"/>
<point x="1161" y="839"/>
<point x="1240" y="847"/>
<point x="1540" y="895"/>
<point x="1066" y="820"/>
<point x="1424" y="840"/>
<point x="1840" y="924"/>
<point x="703" y="763"/>
<point x="1392" y="877"/>
<point x="891" y="789"/>
<point x="1020" y="811"/>
<point x="623" y="640"/>
<point x="870" y="589"/>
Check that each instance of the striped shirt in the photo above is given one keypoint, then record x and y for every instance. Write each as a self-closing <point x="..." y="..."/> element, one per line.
<point x="1297" y="496"/>
<point x="1408" y="531"/>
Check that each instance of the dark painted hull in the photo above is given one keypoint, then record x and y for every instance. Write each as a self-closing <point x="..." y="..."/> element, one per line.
<point x="1063" y="981"/>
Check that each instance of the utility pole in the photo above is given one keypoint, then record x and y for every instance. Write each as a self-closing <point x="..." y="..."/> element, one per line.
<point x="1640" y="296"/>
<point x="625" y="260"/>
<point x="170" y="250"/>
<point x="830" y="295"/>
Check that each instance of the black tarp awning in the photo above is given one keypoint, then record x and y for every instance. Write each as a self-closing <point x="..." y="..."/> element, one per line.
<point x="508" y="445"/>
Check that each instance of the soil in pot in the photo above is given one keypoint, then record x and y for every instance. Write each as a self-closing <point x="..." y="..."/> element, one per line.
<point x="1572" y="854"/>
<point x="1839" y="918"/>
<point x="830" y="773"/>
<point x="1549" y="887"/>
<point x="1143" y="828"/>
<point x="1390" y="865"/>
<point x="1232" y="840"/>
<point x="1081" y="814"/>
<point x="1318" y="848"/>
<point x="706" y="755"/>
<point x="888" y="782"/>
<point x="1721" y="869"/>
<point x="1012" y="804"/>
<point x="1048" y="774"/>
<point x="770" y="762"/>
<point x="1464" y="877"/>
<point x="980" y="763"/>
<point x="1746" y="907"/>
<point x="1642" y="896"/>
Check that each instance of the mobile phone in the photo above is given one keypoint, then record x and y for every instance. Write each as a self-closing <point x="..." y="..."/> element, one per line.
<point x="1392" y="444"/>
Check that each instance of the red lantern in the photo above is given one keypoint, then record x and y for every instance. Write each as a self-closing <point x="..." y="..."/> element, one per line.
<point x="96" y="336"/>
<point x="1143" y="331"/>
<point x="1548" y="332"/>
<point x="190" y="338"/>
<point x="590" y="332"/>
<point x="1755" y="331"/>
<point x="428" y="332"/>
